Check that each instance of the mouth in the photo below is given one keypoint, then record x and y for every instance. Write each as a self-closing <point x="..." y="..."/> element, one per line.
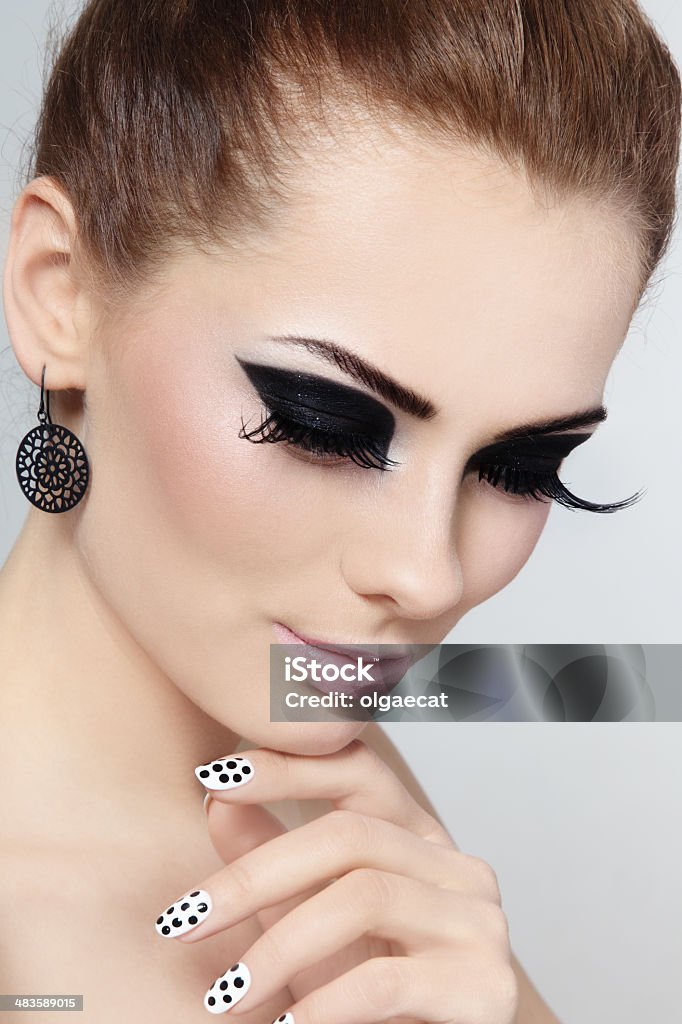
<point x="389" y="662"/>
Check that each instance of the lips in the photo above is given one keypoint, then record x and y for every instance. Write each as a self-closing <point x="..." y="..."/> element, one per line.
<point x="389" y="662"/>
<point x="385" y="652"/>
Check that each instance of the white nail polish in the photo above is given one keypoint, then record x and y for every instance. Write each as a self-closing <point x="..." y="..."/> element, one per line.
<point x="186" y="913"/>
<point x="228" y="989"/>
<point x="286" y="1018"/>
<point x="225" y="772"/>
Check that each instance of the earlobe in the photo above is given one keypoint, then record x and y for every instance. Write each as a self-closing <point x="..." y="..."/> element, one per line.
<point x="40" y="292"/>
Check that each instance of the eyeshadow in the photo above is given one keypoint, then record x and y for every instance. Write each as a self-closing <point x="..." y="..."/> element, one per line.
<point x="318" y="402"/>
<point x="529" y="448"/>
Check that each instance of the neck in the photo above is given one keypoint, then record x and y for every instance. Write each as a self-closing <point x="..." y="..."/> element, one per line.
<point x="93" y="729"/>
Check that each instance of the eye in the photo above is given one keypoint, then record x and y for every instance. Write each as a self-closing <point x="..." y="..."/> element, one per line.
<point x="532" y="478"/>
<point x="529" y="482"/>
<point x="323" y="445"/>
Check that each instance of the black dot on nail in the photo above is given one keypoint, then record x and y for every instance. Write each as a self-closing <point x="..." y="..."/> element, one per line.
<point x="238" y="982"/>
<point x="170" y="910"/>
<point x="246" y="770"/>
<point x="236" y="777"/>
<point x="223" y="985"/>
<point x="202" y="908"/>
<point x="192" y="919"/>
<point x="165" y="929"/>
<point x="176" y="922"/>
<point x="234" y="967"/>
<point x="159" y="920"/>
<point x="224" y="778"/>
<point x="282" y="1017"/>
<point x="217" y="767"/>
<point x="184" y="906"/>
<point x="204" y="774"/>
<point x="196" y="893"/>
<point x="230" y="764"/>
<point x="227" y="999"/>
<point x="211" y="1000"/>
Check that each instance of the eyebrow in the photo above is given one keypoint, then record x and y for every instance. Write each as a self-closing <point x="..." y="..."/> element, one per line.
<point x="417" y="405"/>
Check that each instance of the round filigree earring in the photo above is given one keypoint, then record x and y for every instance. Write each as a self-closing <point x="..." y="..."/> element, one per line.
<point x="52" y="467"/>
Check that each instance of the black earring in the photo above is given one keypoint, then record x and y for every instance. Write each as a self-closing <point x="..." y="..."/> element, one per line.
<point x="52" y="467"/>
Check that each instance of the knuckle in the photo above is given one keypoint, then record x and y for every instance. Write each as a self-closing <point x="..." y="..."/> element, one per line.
<point x="373" y="889"/>
<point x="486" y="878"/>
<point x="382" y="986"/>
<point x="496" y="925"/>
<point x="503" y="988"/>
<point x="351" y="830"/>
<point x="273" y="945"/>
<point x="241" y="882"/>
<point x="494" y="997"/>
<point x="365" y="760"/>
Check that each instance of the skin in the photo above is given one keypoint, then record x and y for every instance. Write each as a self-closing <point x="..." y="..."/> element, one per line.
<point x="135" y="629"/>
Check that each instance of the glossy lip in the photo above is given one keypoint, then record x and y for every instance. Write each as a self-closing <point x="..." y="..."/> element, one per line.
<point x="379" y="652"/>
<point x="387" y="670"/>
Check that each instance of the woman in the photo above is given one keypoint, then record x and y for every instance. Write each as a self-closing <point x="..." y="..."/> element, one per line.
<point x="323" y="296"/>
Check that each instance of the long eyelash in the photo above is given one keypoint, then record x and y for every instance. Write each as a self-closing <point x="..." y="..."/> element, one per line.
<point x="364" y="451"/>
<point x="360" y="448"/>
<point x="530" y="484"/>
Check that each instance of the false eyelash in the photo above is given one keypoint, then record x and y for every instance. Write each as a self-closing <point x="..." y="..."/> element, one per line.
<point x="530" y="484"/>
<point x="360" y="448"/>
<point x="364" y="451"/>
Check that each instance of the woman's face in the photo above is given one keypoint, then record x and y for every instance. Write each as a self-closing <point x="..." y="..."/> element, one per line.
<point x="442" y="272"/>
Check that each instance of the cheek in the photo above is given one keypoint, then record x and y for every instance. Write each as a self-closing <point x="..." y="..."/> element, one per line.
<point x="496" y="538"/>
<point x="224" y="500"/>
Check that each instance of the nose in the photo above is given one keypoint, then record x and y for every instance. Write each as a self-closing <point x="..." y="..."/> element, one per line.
<point x="403" y="548"/>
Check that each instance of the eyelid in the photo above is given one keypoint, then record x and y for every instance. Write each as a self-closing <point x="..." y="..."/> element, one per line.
<point x="309" y="394"/>
<point x="547" y="446"/>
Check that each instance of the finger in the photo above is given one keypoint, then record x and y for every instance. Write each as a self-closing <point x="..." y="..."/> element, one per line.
<point x="324" y="849"/>
<point x="421" y="919"/>
<point x="472" y="988"/>
<point x="234" y="831"/>
<point x="354" y="778"/>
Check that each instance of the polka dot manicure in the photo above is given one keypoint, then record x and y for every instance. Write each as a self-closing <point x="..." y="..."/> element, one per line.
<point x="225" y="772"/>
<point x="286" y="1018"/>
<point x="186" y="913"/>
<point x="228" y="989"/>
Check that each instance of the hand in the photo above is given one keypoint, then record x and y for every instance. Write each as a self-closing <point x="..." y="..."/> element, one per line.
<point x="370" y="912"/>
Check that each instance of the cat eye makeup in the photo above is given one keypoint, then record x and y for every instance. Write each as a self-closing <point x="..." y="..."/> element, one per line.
<point x="333" y="423"/>
<point x="321" y="416"/>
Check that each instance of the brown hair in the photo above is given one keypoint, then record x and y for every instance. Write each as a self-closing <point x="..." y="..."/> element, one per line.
<point x="171" y="122"/>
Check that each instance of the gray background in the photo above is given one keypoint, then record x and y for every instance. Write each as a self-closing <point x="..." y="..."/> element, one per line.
<point x="580" y="821"/>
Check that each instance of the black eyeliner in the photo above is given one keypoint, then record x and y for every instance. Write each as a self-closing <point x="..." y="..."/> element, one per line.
<point x="529" y="450"/>
<point x="320" y="403"/>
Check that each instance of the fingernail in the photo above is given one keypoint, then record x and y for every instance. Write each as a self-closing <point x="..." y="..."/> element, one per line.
<point x="228" y="989"/>
<point x="286" y="1018"/>
<point x="186" y="913"/>
<point x="207" y="799"/>
<point x="225" y="772"/>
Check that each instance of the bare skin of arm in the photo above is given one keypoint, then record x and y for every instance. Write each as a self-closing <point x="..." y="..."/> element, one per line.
<point x="532" y="1008"/>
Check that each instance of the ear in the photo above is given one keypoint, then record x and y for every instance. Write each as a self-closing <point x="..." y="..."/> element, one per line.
<point x="45" y="308"/>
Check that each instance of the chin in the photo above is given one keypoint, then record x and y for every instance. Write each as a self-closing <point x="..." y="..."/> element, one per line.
<point x="313" y="738"/>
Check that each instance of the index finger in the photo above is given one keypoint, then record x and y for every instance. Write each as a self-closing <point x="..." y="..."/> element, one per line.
<point x="354" y="778"/>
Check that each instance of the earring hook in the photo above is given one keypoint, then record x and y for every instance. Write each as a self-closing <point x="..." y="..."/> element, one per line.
<point x="44" y="410"/>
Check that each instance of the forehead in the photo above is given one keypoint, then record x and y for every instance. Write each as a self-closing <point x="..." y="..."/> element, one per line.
<point x="432" y="258"/>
